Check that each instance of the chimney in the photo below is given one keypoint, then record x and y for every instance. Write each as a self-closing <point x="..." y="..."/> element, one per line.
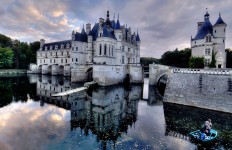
<point x="88" y="28"/>
<point x="199" y="24"/>
<point x="101" y="20"/>
<point x="42" y="42"/>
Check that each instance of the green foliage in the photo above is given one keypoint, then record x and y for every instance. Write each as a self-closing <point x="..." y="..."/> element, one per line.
<point x="6" y="57"/>
<point x="148" y="60"/>
<point x="213" y="61"/>
<point x="145" y="61"/>
<point x="24" y="53"/>
<point x="196" y="62"/>
<point x="176" y="58"/>
<point x="228" y="58"/>
<point x="5" y="41"/>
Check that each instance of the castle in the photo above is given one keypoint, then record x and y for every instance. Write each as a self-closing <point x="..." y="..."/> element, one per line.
<point x="108" y="53"/>
<point x="210" y="40"/>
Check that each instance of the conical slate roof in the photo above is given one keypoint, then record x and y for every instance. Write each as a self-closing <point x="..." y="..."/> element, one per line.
<point x="219" y="21"/>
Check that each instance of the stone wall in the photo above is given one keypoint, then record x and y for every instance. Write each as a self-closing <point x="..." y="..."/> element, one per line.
<point x="106" y="75"/>
<point x="136" y="74"/>
<point x="210" y="91"/>
<point x="79" y="73"/>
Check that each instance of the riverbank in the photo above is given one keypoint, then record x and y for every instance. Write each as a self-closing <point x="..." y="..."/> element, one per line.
<point x="12" y="72"/>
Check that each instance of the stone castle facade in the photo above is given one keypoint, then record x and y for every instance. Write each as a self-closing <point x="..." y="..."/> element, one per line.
<point x="106" y="53"/>
<point x="210" y="39"/>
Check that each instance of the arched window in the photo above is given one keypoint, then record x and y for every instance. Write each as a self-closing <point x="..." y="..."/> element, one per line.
<point x="105" y="49"/>
<point x="109" y="50"/>
<point x="112" y="51"/>
<point x="100" y="49"/>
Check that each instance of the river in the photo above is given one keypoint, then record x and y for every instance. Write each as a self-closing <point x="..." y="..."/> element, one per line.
<point x="114" y="117"/>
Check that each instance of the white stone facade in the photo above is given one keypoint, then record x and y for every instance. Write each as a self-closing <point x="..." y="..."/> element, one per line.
<point x="106" y="44"/>
<point x="210" y="39"/>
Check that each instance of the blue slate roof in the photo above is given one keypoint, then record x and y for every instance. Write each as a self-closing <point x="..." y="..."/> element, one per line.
<point x="112" y="22"/>
<point x="94" y="31"/>
<point x="82" y="37"/>
<point x="204" y="30"/>
<point x="117" y="26"/>
<point x="53" y="44"/>
<point x="107" y="32"/>
<point x="219" y="21"/>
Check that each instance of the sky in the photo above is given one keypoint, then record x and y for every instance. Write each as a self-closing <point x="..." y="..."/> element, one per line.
<point x="162" y="24"/>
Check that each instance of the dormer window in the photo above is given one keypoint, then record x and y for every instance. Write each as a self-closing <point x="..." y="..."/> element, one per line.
<point x="50" y="47"/>
<point x="62" y="46"/>
<point x="100" y="34"/>
<point x="67" y="45"/>
<point x="208" y="38"/>
<point x="46" y="48"/>
<point x="56" y="47"/>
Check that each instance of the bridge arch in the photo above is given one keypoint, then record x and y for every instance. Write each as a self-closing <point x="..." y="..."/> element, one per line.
<point x="40" y="69"/>
<point x="156" y="72"/>
<point x="49" y="70"/>
<point x="161" y="83"/>
<point x="89" y="73"/>
<point x="61" y="70"/>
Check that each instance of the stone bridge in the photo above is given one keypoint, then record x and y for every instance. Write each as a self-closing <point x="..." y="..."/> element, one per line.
<point x="156" y="72"/>
<point x="52" y="69"/>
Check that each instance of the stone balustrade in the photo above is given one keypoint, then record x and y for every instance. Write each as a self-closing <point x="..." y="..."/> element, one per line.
<point x="203" y="71"/>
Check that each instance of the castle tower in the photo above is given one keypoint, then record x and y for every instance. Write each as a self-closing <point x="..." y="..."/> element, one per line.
<point x="219" y="33"/>
<point x="210" y="40"/>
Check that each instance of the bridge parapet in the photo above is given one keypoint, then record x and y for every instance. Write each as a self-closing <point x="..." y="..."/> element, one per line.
<point x="203" y="71"/>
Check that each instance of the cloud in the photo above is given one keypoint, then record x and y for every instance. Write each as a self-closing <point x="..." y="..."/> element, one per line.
<point x="35" y="125"/>
<point x="163" y="25"/>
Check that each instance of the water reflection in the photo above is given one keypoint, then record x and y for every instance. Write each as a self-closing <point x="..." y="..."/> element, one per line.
<point x="104" y="118"/>
<point x="106" y="111"/>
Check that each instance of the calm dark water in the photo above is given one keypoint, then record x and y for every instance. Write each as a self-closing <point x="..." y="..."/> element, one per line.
<point x="104" y="118"/>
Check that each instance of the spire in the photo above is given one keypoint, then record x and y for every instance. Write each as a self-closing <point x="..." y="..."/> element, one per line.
<point x="137" y="37"/>
<point x="206" y="15"/>
<point x="219" y="20"/>
<point x="117" y="26"/>
<point x="83" y="29"/>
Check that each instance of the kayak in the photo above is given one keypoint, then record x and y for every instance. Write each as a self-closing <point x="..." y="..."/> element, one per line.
<point x="197" y="135"/>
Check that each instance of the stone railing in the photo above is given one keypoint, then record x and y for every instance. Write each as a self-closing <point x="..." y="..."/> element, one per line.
<point x="203" y="71"/>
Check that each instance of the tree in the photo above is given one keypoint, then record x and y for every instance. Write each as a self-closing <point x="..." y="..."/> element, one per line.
<point x="213" y="61"/>
<point x="196" y="62"/>
<point x="228" y="58"/>
<point x="6" y="57"/>
<point x="5" y="41"/>
<point x="176" y="58"/>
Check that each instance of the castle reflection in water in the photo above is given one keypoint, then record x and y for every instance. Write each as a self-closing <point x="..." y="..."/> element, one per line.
<point x="105" y="111"/>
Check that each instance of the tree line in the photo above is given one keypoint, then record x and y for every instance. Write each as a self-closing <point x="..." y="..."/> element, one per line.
<point x="15" y="54"/>
<point x="183" y="59"/>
